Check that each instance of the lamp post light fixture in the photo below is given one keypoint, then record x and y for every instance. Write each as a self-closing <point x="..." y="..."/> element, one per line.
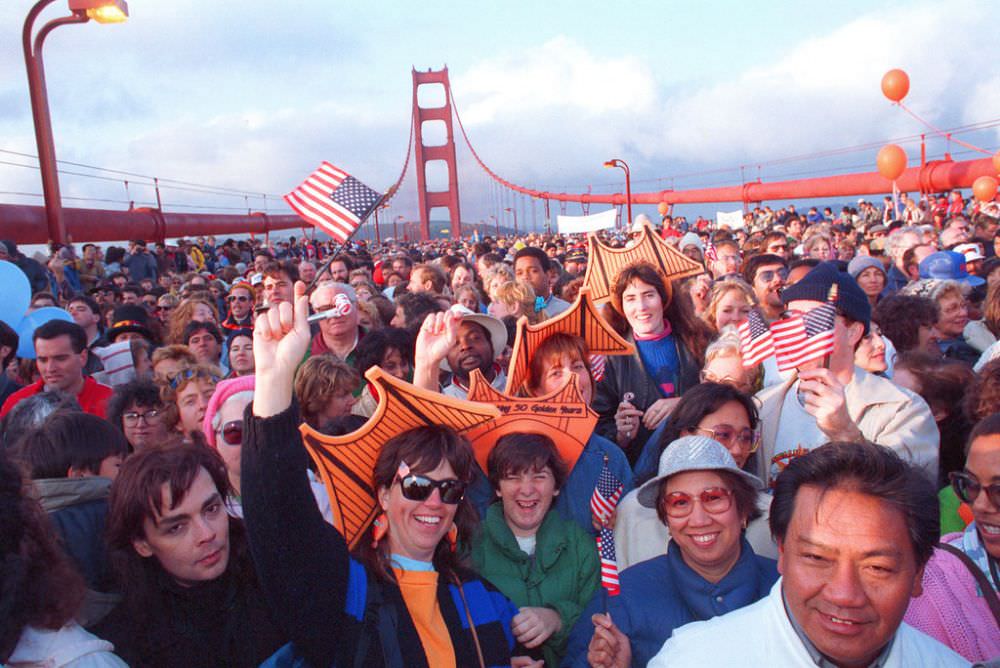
<point x="618" y="162"/>
<point x="102" y="11"/>
<point x="395" y="229"/>
<point x="513" y="211"/>
<point x="497" y="223"/>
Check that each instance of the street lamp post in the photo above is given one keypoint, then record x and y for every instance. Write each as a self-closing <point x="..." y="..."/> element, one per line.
<point x="495" y="220"/>
<point x="102" y="11"/>
<point x="513" y="211"/>
<point x="395" y="229"/>
<point x="618" y="162"/>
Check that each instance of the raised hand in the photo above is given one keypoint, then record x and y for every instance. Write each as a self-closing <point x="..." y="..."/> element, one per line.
<point x="824" y="398"/>
<point x="436" y="338"/>
<point x="280" y="341"/>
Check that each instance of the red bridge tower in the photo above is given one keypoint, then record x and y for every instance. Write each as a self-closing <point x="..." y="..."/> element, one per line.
<point x="446" y="152"/>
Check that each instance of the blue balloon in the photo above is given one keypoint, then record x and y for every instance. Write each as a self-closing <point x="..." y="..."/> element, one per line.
<point x="31" y="322"/>
<point x="15" y="293"/>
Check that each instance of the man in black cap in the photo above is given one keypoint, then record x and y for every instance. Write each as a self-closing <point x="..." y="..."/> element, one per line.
<point x="130" y="321"/>
<point x="833" y="400"/>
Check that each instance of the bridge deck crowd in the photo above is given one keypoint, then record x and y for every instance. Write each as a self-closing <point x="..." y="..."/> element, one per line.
<point x="158" y="507"/>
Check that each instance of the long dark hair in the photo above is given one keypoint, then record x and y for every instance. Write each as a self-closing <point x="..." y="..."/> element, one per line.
<point x="677" y="307"/>
<point x="701" y="400"/>
<point x="38" y="584"/>
<point x="423" y="449"/>
<point x="137" y="495"/>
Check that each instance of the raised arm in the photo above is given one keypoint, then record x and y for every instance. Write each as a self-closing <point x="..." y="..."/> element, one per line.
<point x="437" y="335"/>
<point x="302" y="561"/>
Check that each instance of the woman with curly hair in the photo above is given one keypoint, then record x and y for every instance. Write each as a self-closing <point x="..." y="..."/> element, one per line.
<point x="516" y="298"/>
<point x="40" y="590"/>
<point x="189" y="310"/>
<point x="729" y="303"/>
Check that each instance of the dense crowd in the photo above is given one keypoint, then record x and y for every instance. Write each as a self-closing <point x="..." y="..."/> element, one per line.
<point x="158" y="506"/>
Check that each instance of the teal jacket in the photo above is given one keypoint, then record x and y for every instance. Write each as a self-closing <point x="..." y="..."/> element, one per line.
<point x="563" y="574"/>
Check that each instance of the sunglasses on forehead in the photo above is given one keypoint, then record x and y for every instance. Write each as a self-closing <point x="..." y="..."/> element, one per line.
<point x="187" y="374"/>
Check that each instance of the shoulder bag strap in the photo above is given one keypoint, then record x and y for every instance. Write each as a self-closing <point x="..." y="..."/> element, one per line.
<point x="984" y="584"/>
<point x="472" y="625"/>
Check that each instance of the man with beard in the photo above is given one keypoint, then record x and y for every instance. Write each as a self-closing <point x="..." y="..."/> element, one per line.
<point x="766" y="274"/>
<point x="240" y="300"/>
<point x="460" y="341"/>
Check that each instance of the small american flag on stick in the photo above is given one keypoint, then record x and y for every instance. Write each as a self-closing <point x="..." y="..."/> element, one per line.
<point x="607" y="492"/>
<point x="756" y="343"/>
<point x="334" y="201"/>
<point x="806" y="336"/>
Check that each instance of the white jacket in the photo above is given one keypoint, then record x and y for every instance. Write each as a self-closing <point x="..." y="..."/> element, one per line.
<point x="762" y="635"/>
<point x="70" y="646"/>
<point x="886" y="414"/>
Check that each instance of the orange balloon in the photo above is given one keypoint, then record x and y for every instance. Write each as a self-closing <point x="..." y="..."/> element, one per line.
<point x="895" y="85"/>
<point x="663" y="207"/>
<point x="996" y="162"/>
<point x="985" y="188"/>
<point x="891" y="161"/>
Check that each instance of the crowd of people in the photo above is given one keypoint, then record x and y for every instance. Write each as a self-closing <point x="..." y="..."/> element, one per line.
<point x="158" y="506"/>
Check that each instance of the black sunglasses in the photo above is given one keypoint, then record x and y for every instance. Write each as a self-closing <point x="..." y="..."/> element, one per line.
<point x="967" y="488"/>
<point x="419" y="488"/>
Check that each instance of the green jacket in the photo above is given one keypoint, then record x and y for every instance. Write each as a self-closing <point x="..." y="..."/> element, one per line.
<point x="563" y="574"/>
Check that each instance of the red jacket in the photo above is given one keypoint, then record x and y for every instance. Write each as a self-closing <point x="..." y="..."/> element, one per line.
<point x="93" y="398"/>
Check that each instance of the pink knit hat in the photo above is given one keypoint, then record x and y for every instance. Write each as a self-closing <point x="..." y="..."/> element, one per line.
<point x="223" y="391"/>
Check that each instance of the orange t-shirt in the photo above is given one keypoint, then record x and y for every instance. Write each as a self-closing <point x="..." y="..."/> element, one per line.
<point x="419" y="589"/>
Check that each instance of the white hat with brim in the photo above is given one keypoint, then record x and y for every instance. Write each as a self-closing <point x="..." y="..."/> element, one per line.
<point x="692" y="453"/>
<point x="495" y="327"/>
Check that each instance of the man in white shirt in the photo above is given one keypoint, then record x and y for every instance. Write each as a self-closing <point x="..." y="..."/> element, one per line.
<point x="855" y="525"/>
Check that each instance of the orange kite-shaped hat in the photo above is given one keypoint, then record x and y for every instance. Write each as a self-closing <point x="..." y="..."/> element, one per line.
<point x="605" y="263"/>
<point x="581" y="319"/>
<point x="347" y="463"/>
<point x="562" y="415"/>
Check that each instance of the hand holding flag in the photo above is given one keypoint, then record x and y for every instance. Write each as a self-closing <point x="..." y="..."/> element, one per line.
<point x="603" y="502"/>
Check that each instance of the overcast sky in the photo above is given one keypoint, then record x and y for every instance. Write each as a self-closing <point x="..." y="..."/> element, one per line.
<point x="254" y="95"/>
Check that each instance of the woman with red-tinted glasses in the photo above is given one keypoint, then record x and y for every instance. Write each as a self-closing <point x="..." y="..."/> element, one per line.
<point x="706" y="501"/>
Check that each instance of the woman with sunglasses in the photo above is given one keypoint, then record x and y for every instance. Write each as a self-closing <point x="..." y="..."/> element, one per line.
<point x="959" y="605"/>
<point x="403" y="597"/>
<point x="706" y="502"/>
<point x="715" y="410"/>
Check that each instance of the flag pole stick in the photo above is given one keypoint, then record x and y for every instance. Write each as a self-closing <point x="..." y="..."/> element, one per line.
<point x="831" y="297"/>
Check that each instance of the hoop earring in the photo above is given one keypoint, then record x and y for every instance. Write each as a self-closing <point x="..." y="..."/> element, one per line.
<point x="381" y="527"/>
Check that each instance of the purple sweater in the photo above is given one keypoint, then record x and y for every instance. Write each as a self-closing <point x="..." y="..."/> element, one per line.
<point x="951" y="608"/>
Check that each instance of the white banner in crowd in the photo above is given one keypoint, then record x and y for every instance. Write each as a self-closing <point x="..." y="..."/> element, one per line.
<point x="734" y="219"/>
<point x="604" y="220"/>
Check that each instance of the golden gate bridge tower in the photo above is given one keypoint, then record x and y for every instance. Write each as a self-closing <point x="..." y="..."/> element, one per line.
<point x="445" y="152"/>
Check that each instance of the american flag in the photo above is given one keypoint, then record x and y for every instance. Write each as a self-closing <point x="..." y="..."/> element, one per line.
<point x="710" y="253"/>
<point x="756" y="343"/>
<point x="333" y="200"/>
<point x="805" y="337"/>
<point x="597" y="364"/>
<point x="607" y="492"/>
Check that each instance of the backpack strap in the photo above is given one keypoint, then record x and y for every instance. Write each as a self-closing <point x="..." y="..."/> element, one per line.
<point x="984" y="584"/>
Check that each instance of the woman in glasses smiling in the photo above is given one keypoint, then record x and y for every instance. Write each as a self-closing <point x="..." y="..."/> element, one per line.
<point x="403" y="597"/>
<point x="715" y="410"/>
<point x="706" y="501"/>
<point x="963" y="575"/>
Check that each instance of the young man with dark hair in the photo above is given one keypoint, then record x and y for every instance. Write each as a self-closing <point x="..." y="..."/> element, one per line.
<point x="61" y="355"/>
<point x="531" y="265"/>
<point x="278" y="281"/>
<point x="766" y="274"/>
<point x="72" y="459"/>
<point x="191" y="596"/>
<point x="855" y="527"/>
<point x="205" y="341"/>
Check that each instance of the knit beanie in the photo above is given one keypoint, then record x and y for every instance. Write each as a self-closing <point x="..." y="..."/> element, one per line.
<point x="861" y="262"/>
<point x="223" y="391"/>
<point x="815" y="286"/>
<point x="691" y="239"/>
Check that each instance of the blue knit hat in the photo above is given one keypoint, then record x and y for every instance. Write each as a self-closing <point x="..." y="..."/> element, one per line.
<point x="815" y="286"/>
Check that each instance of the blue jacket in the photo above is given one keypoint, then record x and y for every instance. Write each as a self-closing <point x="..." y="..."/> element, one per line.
<point x="573" y="502"/>
<point x="663" y="593"/>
